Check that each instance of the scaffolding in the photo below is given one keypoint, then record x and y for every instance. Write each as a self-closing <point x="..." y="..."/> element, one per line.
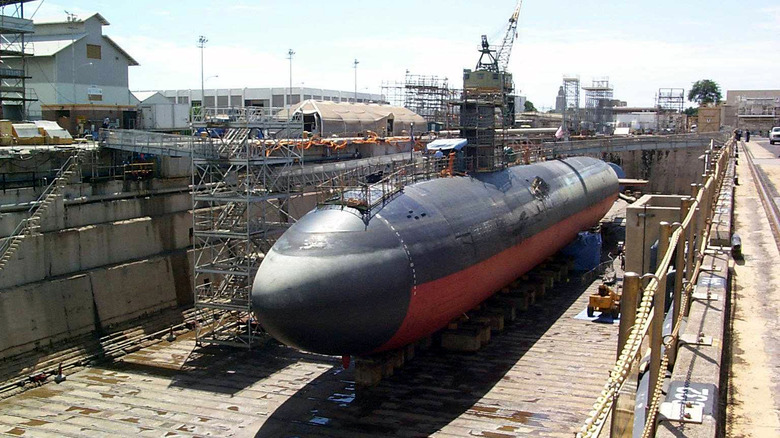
<point x="571" y="105"/>
<point x="14" y="50"/>
<point x="428" y="96"/>
<point x="598" y="105"/>
<point x="669" y="103"/>
<point x="239" y="207"/>
<point x="487" y="111"/>
<point x="670" y="99"/>
<point x="758" y="106"/>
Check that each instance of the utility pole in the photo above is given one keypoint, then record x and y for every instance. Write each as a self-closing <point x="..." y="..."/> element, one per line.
<point x="202" y="40"/>
<point x="290" y="54"/>
<point x="355" y="67"/>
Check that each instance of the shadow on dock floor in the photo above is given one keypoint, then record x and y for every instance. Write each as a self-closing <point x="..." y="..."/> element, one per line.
<point x="429" y="392"/>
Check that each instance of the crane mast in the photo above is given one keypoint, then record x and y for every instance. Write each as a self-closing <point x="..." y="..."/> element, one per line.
<point x="487" y="107"/>
<point x="505" y="49"/>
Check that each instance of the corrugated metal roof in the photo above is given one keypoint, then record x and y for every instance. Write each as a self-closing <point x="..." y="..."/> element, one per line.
<point x="143" y="95"/>
<point x="51" y="47"/>
<point x="100" y="18"/>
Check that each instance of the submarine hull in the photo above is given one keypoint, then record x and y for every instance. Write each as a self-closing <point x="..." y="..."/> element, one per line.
<point x="334" y="285"/>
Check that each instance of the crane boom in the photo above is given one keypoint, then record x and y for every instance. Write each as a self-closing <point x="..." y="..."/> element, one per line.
<point x="505" y="50"/>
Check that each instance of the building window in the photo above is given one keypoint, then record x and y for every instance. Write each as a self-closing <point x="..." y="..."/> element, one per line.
<point x="93" y="51"/>
<point x="183" y="99"/>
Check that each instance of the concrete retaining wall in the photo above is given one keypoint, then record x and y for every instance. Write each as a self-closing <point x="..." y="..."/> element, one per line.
<point x="669" y="171"/>
<point x="76" y="191"/>
<point x="78" y="249"/>
<point x="79" y="213"/>
<point x="46" y="312"/>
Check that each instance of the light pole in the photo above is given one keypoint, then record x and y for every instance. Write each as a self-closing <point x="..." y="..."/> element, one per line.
<point x="355" y="67"/>
<point x="290" y="54"/>
<point x="202" y="40"/>
<point x="72" y="19"/>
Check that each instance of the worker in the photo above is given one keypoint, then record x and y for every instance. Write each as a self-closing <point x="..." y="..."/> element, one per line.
<point x="747" y="136"/>
<point x="438" y="154"/>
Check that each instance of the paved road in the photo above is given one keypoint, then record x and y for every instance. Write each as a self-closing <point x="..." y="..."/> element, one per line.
<point x="754" y="377"/>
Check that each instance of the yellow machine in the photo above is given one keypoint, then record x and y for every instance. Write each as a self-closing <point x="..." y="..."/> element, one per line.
<point x="606" y="300"/>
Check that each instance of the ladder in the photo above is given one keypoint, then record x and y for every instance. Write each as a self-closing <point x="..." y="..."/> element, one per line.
<point x="32" y="223"/>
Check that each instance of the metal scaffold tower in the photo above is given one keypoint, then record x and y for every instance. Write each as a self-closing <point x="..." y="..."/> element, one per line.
<point x="670" y="103"/>
<point x="670" y="99"/>
<point x="14" y="50"/>
<point x="571" y="106"/>
<point x="239" y="207"/>
<point x="429" y="96"/>
<point x="598" y="104"/>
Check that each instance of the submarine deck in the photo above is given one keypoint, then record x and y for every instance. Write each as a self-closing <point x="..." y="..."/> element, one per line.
<point x="537" y="378"/>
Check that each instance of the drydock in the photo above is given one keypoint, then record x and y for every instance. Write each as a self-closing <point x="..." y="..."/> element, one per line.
<point x="428" y="261"/>
<point x="524" y="382"/>
<point x="538" y="372"/>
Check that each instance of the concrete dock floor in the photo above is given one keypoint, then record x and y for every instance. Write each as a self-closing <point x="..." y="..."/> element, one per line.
<point x="753" y="408"/>
<point x="539" y="377"/>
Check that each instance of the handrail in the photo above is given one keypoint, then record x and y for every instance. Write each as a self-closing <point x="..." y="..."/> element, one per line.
<point x="350" y="189"/>
<point x="645" y="313"/>
<point x="10" y="244"/>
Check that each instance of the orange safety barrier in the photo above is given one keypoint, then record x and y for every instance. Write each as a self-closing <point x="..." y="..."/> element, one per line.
<point x="338" y="144"/>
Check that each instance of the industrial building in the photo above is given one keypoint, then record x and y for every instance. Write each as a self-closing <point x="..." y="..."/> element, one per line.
<point x="754" y="110"/>
<point x="159" y="113"/>
<point x="79" y="75"/>
<point x="273" y="98"/>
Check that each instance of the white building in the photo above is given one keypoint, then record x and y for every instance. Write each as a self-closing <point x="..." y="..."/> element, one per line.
<point x="273" y="98"/>
<point x="160" y="113"/>
<point x="79" y="75"/>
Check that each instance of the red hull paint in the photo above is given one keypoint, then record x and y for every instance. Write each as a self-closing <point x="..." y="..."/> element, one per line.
<point x="437" y="302"/>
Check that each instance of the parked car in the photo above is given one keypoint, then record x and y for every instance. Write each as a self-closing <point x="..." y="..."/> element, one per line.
<point x="774" y="135"/>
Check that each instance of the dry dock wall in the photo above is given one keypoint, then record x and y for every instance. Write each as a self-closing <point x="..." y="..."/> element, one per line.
<point x="668" y="172"/>
<point x="38" y="314"/>
<point x="101" y="259"/>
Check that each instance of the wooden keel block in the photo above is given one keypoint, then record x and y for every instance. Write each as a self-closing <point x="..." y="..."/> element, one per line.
<point x="368" y="372"/>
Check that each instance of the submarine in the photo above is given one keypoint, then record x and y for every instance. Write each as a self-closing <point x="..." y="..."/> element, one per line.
<point x="337" y="284"/>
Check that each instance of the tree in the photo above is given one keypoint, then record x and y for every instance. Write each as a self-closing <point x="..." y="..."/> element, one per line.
<point x="529" y="106"/>
<point x="705" y="91"/>
<point x="691" y="111"/>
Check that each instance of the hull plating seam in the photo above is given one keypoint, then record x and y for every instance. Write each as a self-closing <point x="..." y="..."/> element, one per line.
<point x="437" y="302"/>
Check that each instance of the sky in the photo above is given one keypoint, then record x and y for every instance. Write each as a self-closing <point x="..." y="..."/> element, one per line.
<point x="641" y="46"/>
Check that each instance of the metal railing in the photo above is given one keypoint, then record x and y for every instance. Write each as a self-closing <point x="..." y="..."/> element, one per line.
<point x="148" y="142"/>
<point x="27" y="226"/>
<point x="369" y="187"/>
<point x="618" y="144"/>
<point x="641" y="320"/>
<point x="239" y="115"/>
